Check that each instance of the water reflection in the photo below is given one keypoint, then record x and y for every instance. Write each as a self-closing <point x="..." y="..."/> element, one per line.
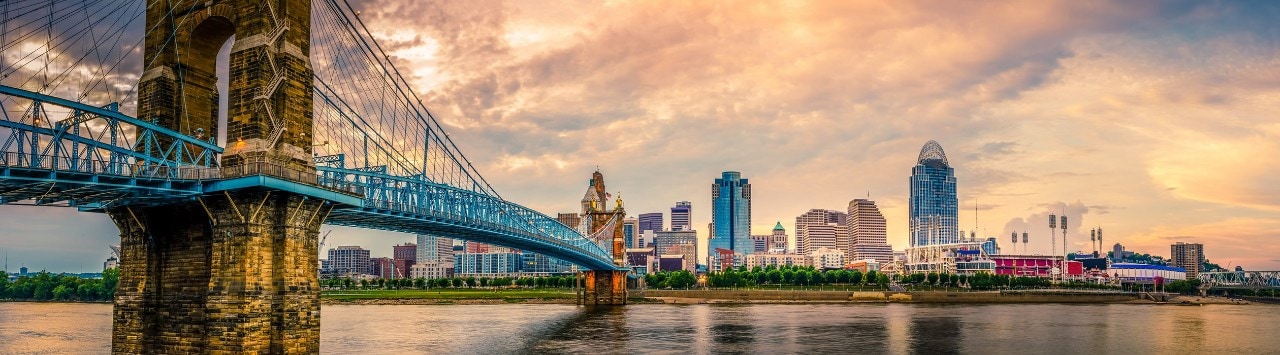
<point x="935" y="334"/>
<point x="731" y="329"/>
<point x="713" y="329"/>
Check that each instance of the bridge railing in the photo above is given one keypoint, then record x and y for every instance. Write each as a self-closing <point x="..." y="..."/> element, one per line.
<point x="137" y="170"/>
<point x="1241" y="279"/>
<point x="124" y="169"/>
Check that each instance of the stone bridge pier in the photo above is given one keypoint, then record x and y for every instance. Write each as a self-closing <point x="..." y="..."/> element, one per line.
<point x="232" y="271"/>
<point x="228" y="273"/>
<point x="603" y="287"/>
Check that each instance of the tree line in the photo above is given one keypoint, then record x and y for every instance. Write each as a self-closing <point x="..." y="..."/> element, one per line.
<point x="447" y="282"/>
<point x="792" y="275"/>
<point x="45" y="286"/>
<point x="681" y="279"/>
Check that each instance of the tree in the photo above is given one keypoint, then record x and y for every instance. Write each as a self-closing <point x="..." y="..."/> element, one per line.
<point x="871" y="276"/>
<point x="4" y="284"/>
<point x="62" y="293"/>
<point x="882" y="280"/>
<point x="682" y="279"/>
<point x="933" y="278"/>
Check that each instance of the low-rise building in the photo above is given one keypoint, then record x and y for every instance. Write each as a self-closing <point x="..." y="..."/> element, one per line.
<point x="382" y="267"/>
<point x="863" y="265"/>
<point x="673" y="262"/>
<point x="488" y="264"/>
<point x="827" y="258"/>
<point x="348" y="260"/>
<point x="777" y="259"/>
<point x="1144" y="273"/>
<point x="431" y="270"/>
<point x="1034" y="265"/>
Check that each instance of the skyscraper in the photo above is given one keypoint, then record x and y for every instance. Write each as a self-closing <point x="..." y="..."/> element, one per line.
<point x="680" y="216"/>
<point x="1187" y="256"/>
<point x="731" y="214"/>
<point x="867" y="236"/>
<point x="933" y="205"/>
<point x="821" y="228"/>
<point x="651" y="222"/>
<point x="435" y="257"/>
<point x="630" y="232"/>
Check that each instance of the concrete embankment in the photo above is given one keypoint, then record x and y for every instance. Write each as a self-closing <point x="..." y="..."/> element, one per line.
<point x="814" y="296"/>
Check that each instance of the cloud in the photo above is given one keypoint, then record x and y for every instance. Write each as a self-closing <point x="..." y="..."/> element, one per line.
<point x="1158" y="114"/>
<point x="1037" y="227"/>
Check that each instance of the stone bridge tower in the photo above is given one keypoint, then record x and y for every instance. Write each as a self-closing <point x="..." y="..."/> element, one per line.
<point x="604" y="287"/>
<point x="234" y="270"/>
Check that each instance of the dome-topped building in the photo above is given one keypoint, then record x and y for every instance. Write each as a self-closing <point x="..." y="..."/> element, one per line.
<point x="931" y="154"/>
<point x="934" y="207"/>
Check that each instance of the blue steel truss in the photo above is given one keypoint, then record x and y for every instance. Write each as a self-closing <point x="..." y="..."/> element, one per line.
<point x="382" y="160"/>
<point x="84" y="161"/>
<point x="1252" y="280"/>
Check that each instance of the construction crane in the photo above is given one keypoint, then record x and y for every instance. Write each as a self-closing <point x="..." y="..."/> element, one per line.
<point x="324" y="238"/>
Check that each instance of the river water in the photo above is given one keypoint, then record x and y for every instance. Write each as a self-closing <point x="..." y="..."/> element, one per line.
<point x="704" y="329"/>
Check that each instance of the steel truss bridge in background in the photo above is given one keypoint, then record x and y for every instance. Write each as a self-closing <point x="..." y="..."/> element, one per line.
<point x="67" y="137"/>
<point x="1241" y="280"/>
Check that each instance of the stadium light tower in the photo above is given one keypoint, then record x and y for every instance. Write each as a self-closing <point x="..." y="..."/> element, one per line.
<point x="1064" y="247"/>
<point x="1053" y="243"/>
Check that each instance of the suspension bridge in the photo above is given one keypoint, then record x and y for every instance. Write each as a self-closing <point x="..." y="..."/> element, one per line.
<point x="219" y="189"/>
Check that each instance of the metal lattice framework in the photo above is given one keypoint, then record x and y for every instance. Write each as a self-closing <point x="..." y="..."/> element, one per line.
<point x="1241" y="279"/>
<point x="68" y="87"/>
<point x="932" y="152"/>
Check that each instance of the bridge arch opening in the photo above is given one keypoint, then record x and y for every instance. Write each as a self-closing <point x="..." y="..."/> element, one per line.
<point x="223" y="72"/>
<point x="203" y="79"/>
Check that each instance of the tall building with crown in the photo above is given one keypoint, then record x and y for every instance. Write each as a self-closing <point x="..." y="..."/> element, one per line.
<point x="934" y="209"/>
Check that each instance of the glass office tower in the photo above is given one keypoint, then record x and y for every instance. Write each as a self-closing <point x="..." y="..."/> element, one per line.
<point x="934" y="208"/>
<point x="731" y="214"/>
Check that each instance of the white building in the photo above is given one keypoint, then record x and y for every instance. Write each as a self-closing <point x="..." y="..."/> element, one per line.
<point x="777" y="259"/>
<point x="1143" y="273"/>
<point x="827" y="258"/>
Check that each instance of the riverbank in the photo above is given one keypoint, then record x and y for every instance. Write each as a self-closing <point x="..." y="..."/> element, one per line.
<point x="812" y="296"/>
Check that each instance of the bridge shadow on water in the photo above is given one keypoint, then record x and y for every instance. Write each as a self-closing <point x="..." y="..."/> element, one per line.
<point x="734" y="329"/>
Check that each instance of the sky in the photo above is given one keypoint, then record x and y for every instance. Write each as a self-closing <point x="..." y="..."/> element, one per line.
<point x="1155" y="121"/>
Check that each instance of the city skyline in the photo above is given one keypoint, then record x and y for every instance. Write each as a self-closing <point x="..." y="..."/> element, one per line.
<point x="1150" y="120"/>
